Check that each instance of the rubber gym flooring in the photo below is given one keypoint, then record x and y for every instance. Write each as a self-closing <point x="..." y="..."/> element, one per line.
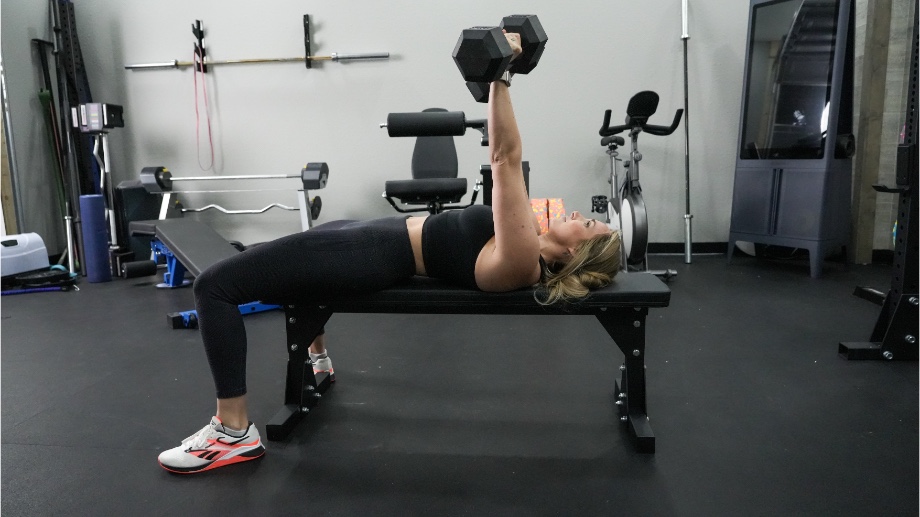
<point x="753" y="410"/>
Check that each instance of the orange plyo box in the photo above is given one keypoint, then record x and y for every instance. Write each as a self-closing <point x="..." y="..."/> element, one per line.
<point x="546" y="209"/>
<point x="555" y="208"/>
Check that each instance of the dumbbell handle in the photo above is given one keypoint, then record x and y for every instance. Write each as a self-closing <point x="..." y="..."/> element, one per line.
<point x="436" y="123"/>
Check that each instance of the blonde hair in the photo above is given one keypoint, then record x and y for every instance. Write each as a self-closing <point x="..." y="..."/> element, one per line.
<point x="594" y="264"/>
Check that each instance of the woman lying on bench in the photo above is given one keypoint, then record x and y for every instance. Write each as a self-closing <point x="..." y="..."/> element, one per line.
<point x="492" y="249"/>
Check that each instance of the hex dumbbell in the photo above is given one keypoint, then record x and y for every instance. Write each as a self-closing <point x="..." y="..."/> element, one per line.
<point x="482" y="53"/>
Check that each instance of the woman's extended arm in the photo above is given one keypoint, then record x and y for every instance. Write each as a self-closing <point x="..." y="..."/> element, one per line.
<point x="513" y="262"/>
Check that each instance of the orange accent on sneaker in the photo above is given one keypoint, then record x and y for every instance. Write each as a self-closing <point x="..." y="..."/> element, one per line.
<point x="216" y="460"/>
<point x="217" y="463"/>
<point x="330" y="371"/>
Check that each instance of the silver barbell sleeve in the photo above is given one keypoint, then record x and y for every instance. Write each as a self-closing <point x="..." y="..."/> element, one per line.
<point x="355" y="57"/>
<point x="153" y="66"/>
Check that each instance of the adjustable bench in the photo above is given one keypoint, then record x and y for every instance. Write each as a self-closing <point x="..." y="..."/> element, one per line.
<point x="621" y="308"/>
<point x="189" y="246"/>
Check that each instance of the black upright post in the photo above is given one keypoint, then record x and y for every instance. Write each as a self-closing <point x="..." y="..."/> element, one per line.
<point x="303" y="388"/>
<point x="895" y="335"/>
<point x="69" y="160"/>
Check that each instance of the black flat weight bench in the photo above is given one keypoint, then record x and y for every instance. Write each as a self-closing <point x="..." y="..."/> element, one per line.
<point x="621" y="308"/>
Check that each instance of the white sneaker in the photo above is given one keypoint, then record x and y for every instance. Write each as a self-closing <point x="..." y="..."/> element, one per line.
<point x="212" y="447"/>
<point x="324" y="365"/>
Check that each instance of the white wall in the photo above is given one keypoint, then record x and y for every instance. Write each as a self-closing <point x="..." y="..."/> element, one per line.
<point x="273" y="118"/>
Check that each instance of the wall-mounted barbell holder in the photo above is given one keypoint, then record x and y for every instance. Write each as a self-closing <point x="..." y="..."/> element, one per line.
<point x="202" y="63"/>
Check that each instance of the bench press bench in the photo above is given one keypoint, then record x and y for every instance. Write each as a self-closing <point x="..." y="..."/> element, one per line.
<point x="621" y="308"/>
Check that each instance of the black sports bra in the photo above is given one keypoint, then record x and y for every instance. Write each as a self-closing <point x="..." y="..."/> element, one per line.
<point x="452" y="241"/>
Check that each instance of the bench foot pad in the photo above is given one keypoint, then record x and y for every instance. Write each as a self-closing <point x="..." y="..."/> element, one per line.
<point x="637" y="424"/>
<point x="287" y="418"/>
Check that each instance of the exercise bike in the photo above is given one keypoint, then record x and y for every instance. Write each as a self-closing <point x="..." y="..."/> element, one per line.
<point x="625" y="202"/>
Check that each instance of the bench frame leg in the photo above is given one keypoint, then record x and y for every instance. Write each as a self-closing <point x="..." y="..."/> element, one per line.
<point x="303" y="389"/>
<point x="174" y="276"/>
<point x="628" y="331"/>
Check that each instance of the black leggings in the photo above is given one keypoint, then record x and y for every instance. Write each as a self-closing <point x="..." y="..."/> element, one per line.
<point x="333" y="259"/>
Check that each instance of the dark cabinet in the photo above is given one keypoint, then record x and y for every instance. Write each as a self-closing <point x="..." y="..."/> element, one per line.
<point x="793" y="168"/>
<point x="793" y="206"/>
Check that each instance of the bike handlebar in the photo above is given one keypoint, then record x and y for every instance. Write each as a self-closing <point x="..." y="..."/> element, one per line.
<point x="664" y="130"/>
<point x="608" y="130"/>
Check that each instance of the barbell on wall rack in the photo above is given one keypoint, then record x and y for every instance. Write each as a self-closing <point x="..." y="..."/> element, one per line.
<point x="334" y="57"/>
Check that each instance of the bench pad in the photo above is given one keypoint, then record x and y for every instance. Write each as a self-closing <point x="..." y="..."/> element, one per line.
<point x="421" y="295"/>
